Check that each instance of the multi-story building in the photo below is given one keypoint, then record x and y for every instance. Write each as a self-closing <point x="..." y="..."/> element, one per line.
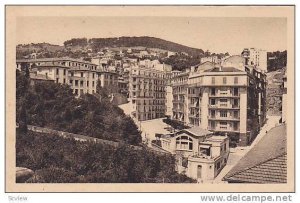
<point x="82" y="76"/>
<point x="225" y="99"/>
<point x="256" y="57"/>
<point x="147" y="92"/>
<point x="180" y="91"/>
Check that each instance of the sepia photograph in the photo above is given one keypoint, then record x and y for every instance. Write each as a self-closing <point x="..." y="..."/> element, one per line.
<point x="150" y="99"/>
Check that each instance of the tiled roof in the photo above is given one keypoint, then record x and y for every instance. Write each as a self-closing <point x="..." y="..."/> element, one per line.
<point x="272" y="171"/>
<point x="197" y="131"/>
<point x="265" y="162"/>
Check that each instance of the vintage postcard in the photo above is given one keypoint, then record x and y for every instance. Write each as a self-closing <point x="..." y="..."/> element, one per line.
<point x="150" y="99"/>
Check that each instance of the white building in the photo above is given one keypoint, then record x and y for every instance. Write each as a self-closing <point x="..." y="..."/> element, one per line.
<point x="256" y="57"/>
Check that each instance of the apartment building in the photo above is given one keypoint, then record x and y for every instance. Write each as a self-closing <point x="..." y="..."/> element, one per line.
<point x="256" y="57"/>
<point x="180" y="90"/>
<point x="82" y="76"/>
<point x="147" y="92"/>
<point x="228" y="100"/>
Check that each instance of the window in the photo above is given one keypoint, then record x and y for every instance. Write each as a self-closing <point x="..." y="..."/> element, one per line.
<point x="56" y="80"/>
<point x="213" y="113"/>
<point x="81" y="74"/>
<point x="235" y="102"/>
<point x="65" y="71"/>
<point x="64" y="80"/>
<point x="213" y="80"/>
<point x="223" y="102"/>
<point x="57" y="71"/>
<point x="224" y="80"/>
<point x="212" y="102"/>
<point x="76" y="83"/>
<point x="213" y="91"/>
<point x="218" y="165"/>
<point x="71" y="82"/>
<point x="235" y="91"/>
<point x="236" y="114"/>
<point x="87" y="83"/>
<point x="93" y="84"/>
<point x="81" y="83"/>
<point x="184" y="143"/>
<point x="223" y="125"/>
<point x="93" y="75"/>
<point x="76" y="91"/>
<point x="223" y="114"/>
<point x="236" y="80"/>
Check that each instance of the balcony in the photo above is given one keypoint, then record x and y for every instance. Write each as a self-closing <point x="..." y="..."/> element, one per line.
<point x="228" y="118"/>
<point x="222" y="129"/>
<point x="223" y="106"/>
<point x="228" y="95"/>
<point x="194" y="105"/>
<point x="194" y="115"/>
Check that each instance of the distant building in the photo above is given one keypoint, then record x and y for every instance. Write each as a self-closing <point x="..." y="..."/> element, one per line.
<point x="212" y="59"/>
<point x="265" y="163"/>
<point x="171" y="53"/>
<point x="256" y="57"/>
<point x="200" y="154"/>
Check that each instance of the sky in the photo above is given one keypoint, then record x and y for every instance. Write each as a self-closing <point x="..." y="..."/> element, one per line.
<point x="217" y="35"/>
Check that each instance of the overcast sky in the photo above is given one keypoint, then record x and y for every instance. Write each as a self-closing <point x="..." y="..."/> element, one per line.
<point x="214" y="34"/>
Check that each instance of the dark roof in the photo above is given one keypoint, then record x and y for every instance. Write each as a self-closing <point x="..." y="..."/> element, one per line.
<point x="224" y="69"/>
<point x="265" y="162"/>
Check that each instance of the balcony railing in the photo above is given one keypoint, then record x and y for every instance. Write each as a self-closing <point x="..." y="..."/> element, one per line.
<point x="223" y="106"/>
<point x="228" y="129"/>
<point x="232" y="118"/>
<point x="224" y="95"/>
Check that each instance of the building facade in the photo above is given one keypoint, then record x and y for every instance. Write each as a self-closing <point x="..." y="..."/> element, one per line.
<point x="225" y="100"/>
<point x="256" y="57"/>
<point x="81" y="76"/>
<point x="147" y="92"/>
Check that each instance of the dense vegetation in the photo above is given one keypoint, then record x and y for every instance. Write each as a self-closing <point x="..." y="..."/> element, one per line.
<point x="58" y="160"/>
<point x="76" y="42"/>
<point x="278" y="60"/>
<point x="54" y="105"/>
<point x="145" y="41"/>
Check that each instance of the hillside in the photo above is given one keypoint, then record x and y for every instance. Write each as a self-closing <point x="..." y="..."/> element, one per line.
<point x="54" y="106"/>
<point x="274" y="91"/>
<point x="149" y="42"/>
<point x="58" y="160"/>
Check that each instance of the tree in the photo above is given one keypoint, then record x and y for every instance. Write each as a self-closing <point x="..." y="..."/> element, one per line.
<point x="23" y="118"/>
